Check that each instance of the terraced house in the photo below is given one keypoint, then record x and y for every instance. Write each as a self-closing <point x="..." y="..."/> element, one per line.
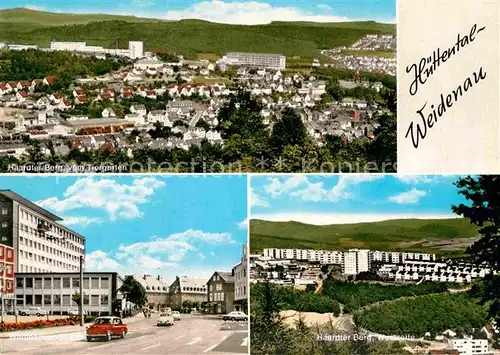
<point x="221" y="293"/>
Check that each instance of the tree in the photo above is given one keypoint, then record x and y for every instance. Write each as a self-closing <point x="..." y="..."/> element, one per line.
<point x="133" y="291"/>
<point x="77" y="298"/>
<point x="383" y="149"/>
<point x="290" y="130"/>
<point x="483" y="210"/>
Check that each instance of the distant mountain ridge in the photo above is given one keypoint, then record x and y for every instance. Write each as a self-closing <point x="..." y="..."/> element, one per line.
<point x="448" y="237"/>
<point x="188" y="37"/>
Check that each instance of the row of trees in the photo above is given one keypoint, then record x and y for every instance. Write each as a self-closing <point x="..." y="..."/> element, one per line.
<point x="356" y="295"/>
<point x="428" y="313"/>
<point x="32" y="64"/>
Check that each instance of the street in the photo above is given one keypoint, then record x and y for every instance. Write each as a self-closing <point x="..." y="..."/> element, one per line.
<point x="191" y="335"/>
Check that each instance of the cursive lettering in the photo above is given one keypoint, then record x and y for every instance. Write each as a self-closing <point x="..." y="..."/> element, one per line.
<point x="427" y="120"/>
<point x="428" y="65"/>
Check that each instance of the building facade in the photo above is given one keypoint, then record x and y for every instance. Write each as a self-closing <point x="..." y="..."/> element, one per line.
<point x="470" y="346"/>
<point x="240" y="272"/>
<point x="136" y="49"/>
<point x="157" y="290"/>
<point x="67" y="46"/>
<point x="221" y="293"/>
<point x="256" y="60"/>
<point x="41" y="244"/>
<point x="54" y="292"/>
<point x="186" y="290"/>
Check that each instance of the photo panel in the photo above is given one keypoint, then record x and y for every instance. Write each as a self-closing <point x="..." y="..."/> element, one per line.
<point x="159" y="261"/>
<point x="380" y="264"/>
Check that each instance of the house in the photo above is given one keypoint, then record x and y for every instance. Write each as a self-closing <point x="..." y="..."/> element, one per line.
<point x="136" y="119"/>
<point x="35" y="83"/>
<point x="138" y="109"/>
<point x="43" y="102"/>
<point x="220" y="289"/>
<point x="157" y="116"/>
<point x="49" y="80"/>
<point x="108" y="112"/>
<point x="4" y="89"/>
<point x="55" y="98"/>
<point x="65" y="105"/>
<point x="78" y="92"/>
<point x="12" y="85"/>
<point x="213" y="137"/>
<point x="105" y="96"/>
<point x="189" y="290"/>
<point x="157" y="290"/>
<point x="21" y="96"/>
<point x="24" y="85"/>
<point x="80" y="99"/>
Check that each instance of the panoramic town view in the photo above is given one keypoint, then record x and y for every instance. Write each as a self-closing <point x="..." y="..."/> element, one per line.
<point x="379" y="264"/>
<point x="183" y="87"/>
<point x="91" y="265"/>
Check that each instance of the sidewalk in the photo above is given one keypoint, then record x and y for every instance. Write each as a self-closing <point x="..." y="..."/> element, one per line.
<point x="62" y="329"/>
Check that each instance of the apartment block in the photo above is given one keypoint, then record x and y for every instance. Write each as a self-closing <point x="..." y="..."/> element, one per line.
<point x="257" y="60"/>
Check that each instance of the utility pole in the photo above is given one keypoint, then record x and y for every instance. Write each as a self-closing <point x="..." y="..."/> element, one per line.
<point x="81" y="291"/>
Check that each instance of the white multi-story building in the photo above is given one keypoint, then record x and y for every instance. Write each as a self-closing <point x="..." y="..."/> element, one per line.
<point x="40" y="243"/>
<point x="241" y="280"/>
<point x="469" y="346"/>
<point x="67" y="46"/>
<point x="54" y="292"/>
<point x="349" y="265"/>
<point x="136" y="49"/>
<point x="257" y="60"/>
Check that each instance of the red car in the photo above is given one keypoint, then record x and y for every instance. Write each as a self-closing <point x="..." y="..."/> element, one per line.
<point x="107" y="327"/>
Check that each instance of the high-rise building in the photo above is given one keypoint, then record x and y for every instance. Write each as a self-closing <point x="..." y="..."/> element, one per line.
<point x="136" y="49"/>
<point x="40" y="242"/>
<point x="256" y="60"/>
<point x="349" y="265"/>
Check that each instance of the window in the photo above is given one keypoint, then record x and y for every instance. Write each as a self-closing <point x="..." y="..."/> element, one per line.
<point x="5" y="211"/>
<point x="104" y="300"/>
<point x="222" y="296"/>
<point x="20" y="300"/>
<point x="86" y="300"/>
<point x="29" y="300"/>
<point x="66" y="282"/>
<point x="19" y="283"/>
<point x="38" y="300"/>
<point x="76" y="282"/>
<point x="57" y="300"/>
<point x="57" y="282"/>
<point x="66" y="300"/>
<point x="86" y="282"/>
<point x="211" y="297"/>
<point x="47" y="282"/>
<point x="95" y="282"/>
<point x="94" y="301"/>
<point x="47" y="300"/>
<point x="29" y="282"/>
<point x="5" y="224"/>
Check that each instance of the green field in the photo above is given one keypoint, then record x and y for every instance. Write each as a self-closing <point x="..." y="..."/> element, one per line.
<point x="440" y="236"/>
<point x="187" y="37"/>
<point x="384" y="54"/>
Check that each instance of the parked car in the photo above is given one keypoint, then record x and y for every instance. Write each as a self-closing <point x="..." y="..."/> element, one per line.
<point x="73" y="312"/>
<point x="33" y="311"/>
<point x="165" y="319"/>
<point x="107" y="327"/>
<point x="235" y="316"/>
<point x="176" y="315"/>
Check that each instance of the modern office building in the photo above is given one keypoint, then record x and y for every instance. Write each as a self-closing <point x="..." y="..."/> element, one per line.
<point x="221" y="293"/>
<point x="240" y="272"/>
<point x="256" y="60"/>
<point x="157" y="290"/>
<point x="68" y="46"/>
<point x="184" y="288"/>
<point x="54" y="292"/>
<point x="40" y="242"/>
<point x="136" y="49"/>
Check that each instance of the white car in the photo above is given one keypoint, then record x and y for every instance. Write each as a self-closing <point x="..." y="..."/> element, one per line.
<point x="33" y="311"/>
<point x="235" y="316"/>
<point x="73" y="312"/>
<point x="176" y="315"/>
<point x="165" y="319"/>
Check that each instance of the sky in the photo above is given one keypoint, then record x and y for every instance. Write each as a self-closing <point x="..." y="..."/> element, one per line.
<point x="148" y="224"/>
<point x="225" y="11"/>
<point x="323" y="200"/>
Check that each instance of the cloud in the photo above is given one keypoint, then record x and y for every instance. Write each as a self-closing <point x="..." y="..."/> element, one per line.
<point x="342" y="218"/>
<point x="212" y="253"/>
<point x="156" y="255"/>
<point x="143" y="3"/>
<point x="324" y="7"/>
<point x="247" y="13"/>
<point x="300" y="186"/>
<point x="81" y="221"/>
<point x="118" y="201"/>
<point x="408" y="197"/>
<point x="415" y="179"/>
<point x="256" y="200"/>
<point x="243" y="224"/>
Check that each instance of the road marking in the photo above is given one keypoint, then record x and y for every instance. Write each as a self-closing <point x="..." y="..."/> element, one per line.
<point x="101" y="346"/>
<point x="151" y="347"/>
<point x="245" y="342"/>
<point x="194" y="341"/>
<point x="224" y="337"/>
<point x="182" y="336"/>
<point x="210" y="348"/>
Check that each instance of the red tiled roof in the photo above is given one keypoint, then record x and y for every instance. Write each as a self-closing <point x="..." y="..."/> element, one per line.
<point x="80" y="92"/>
<point x="12" y="84"/>
<point x="23" y="93"/>
<point x="57" y="95"/>
<point x="82" y="98"/>
<point x="37" y="81"/>
<point x="25" y="84"/>
<point x="3" y="86"/>
<point x="51" y="79"/>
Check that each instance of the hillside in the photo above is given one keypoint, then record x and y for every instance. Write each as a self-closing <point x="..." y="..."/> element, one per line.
<point x="441" y="236"/>
<point x="187" y="37"/>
